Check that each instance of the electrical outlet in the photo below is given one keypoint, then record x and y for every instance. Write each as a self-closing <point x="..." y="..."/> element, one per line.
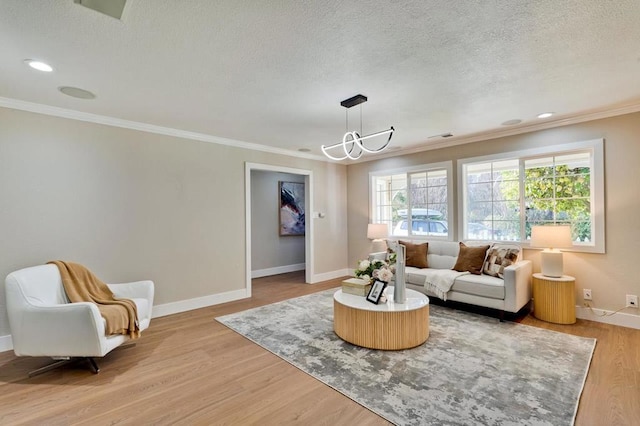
<point x="586" y="294"/>
<point x="632" y="301"/>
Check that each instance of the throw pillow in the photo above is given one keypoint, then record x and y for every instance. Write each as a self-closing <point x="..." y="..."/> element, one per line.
<point x="416" y="254"/>
<point x="470" y="259"/>
<point x="499" y="257"/>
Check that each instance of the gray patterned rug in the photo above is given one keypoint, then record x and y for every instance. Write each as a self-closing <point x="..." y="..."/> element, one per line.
<point x="473" y="370"/>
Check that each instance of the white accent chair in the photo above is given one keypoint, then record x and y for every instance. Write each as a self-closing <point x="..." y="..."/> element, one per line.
<point x="45" y="324"/>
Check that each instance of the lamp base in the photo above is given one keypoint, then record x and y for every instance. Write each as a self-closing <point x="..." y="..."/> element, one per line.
<point x="379" y="246"/>
<point x="551" y="263"/>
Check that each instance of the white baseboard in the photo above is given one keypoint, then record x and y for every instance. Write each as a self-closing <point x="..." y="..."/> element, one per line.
<point x="620" y="319"/>
<point x="258" y="273"/>
<point x="6" y="344"/>
<point x="598" y="315"/>
<point x="197" y="303"/>
<point x="316" y="278"/>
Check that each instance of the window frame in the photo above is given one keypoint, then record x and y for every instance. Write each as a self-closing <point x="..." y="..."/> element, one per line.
<point x="594" y="146"/>
<point x="447" y="166"/>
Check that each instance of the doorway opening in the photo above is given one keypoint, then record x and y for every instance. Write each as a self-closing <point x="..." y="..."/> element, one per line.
<point x="268" y="252"/>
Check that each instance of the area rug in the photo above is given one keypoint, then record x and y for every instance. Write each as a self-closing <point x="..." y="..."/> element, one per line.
<point x="472" y="370"/>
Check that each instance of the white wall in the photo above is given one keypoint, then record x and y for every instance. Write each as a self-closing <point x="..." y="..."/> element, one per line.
<point x="271" y="253"/>
<point x="610" y="276"/>
<point x="133" y="205"/>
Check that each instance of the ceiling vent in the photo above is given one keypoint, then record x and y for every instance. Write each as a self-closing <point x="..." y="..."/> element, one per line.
<point x="112" y="8"/>
<point x="442" y="135"/>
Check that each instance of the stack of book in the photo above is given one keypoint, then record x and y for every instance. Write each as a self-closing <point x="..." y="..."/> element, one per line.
<point x="356" y="286"/>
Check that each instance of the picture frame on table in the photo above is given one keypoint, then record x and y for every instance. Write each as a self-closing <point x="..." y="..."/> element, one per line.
<point x="376" y="291"/>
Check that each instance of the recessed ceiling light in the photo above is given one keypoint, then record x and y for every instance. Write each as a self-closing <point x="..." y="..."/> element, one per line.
<point x="76" y="92"/>
<point x="545" y="115"/>
<point x="512" y="122"/>
<point x="38" y="65"/>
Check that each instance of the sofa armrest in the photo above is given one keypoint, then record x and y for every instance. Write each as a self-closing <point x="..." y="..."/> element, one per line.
<point x="134" y="290"/>
<point x="381" y="255"/>
<point x="70" y="329"/>
<point x="517" y="285"/>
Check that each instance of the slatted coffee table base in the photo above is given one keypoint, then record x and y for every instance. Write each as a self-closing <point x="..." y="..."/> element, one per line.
<point x="381" y="329"/>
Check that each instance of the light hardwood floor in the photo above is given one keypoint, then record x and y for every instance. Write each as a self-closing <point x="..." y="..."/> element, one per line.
<point x="189" y="369"/>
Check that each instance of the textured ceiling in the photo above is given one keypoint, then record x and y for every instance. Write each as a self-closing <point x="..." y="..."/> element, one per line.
<point x="274" y="72"/>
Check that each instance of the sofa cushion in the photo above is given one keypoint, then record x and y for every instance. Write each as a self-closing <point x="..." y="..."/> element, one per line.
<point x="416" y="254"/>
<point x="470" y="259"/>
<point x="480" y="285"/>
<point x="499" y="257"/>
<point x="442" y="254"/>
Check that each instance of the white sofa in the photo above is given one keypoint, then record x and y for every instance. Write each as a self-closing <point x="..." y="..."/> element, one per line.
<point x="508" y="294"/>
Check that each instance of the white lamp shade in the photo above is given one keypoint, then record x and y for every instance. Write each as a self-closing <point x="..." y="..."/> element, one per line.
<point x="551" y="236"/>
<point x="377" y="231"/>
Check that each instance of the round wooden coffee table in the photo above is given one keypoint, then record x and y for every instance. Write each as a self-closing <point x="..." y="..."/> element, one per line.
<point x="389" y="325"/>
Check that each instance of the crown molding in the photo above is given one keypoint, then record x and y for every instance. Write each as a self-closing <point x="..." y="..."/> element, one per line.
<point x="148" y="128"/>
<point x="430" y="145"/>
<point x="511" y="131"/>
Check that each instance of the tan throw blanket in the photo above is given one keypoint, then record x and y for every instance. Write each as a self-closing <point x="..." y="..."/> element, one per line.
<point x="81" y="285"/>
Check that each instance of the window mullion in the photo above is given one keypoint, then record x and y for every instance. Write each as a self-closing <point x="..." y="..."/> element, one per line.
<point x="554" y="193"/>
<point x="493" y="200"/>
<point x="523" y="200"/>
<point x="409" y="205"/>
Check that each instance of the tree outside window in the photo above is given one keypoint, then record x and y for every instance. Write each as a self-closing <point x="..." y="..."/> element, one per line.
<point x="554" y="189"/>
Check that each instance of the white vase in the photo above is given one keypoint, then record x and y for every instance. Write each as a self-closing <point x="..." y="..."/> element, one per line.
<point x="399" y="288"/>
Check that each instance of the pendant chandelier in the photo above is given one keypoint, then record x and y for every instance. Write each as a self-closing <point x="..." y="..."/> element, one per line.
<point x="352" y="143"/>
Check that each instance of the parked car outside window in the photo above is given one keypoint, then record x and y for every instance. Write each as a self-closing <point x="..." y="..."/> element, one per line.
<point x="422" y="227"/>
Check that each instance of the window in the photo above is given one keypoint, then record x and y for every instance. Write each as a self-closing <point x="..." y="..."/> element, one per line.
<point x="493" y="201"/>
<point x="413" y="202"/>
<point x="557" y="189"/>
<point x="505" y="195"/>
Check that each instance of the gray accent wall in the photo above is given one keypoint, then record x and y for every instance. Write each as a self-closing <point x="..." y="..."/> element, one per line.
<point x="133" y="205"/>
<point x="268" y="248"/>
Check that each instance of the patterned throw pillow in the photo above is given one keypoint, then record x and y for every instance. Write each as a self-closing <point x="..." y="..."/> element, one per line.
<point x="499" y="257"/>
<point x="470" y="259"/>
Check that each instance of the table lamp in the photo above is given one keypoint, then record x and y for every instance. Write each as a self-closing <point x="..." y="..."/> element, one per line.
<point x="378" y="232"/>
<point x="551" y="237"/>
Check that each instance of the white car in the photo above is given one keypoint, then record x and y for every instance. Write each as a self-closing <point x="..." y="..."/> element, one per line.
<point x="422" y="227"/>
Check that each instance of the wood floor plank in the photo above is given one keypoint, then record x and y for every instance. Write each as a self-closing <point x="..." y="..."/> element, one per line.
<point x="189" y="369"/>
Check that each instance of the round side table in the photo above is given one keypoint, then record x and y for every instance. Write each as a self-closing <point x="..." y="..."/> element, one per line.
<point x="554" y="298"/>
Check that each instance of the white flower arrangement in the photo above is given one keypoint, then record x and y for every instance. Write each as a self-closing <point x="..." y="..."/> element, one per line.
<point x="375" y="269"/>
<point x="385" y="275"/>
<point x="364" y="265"/>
